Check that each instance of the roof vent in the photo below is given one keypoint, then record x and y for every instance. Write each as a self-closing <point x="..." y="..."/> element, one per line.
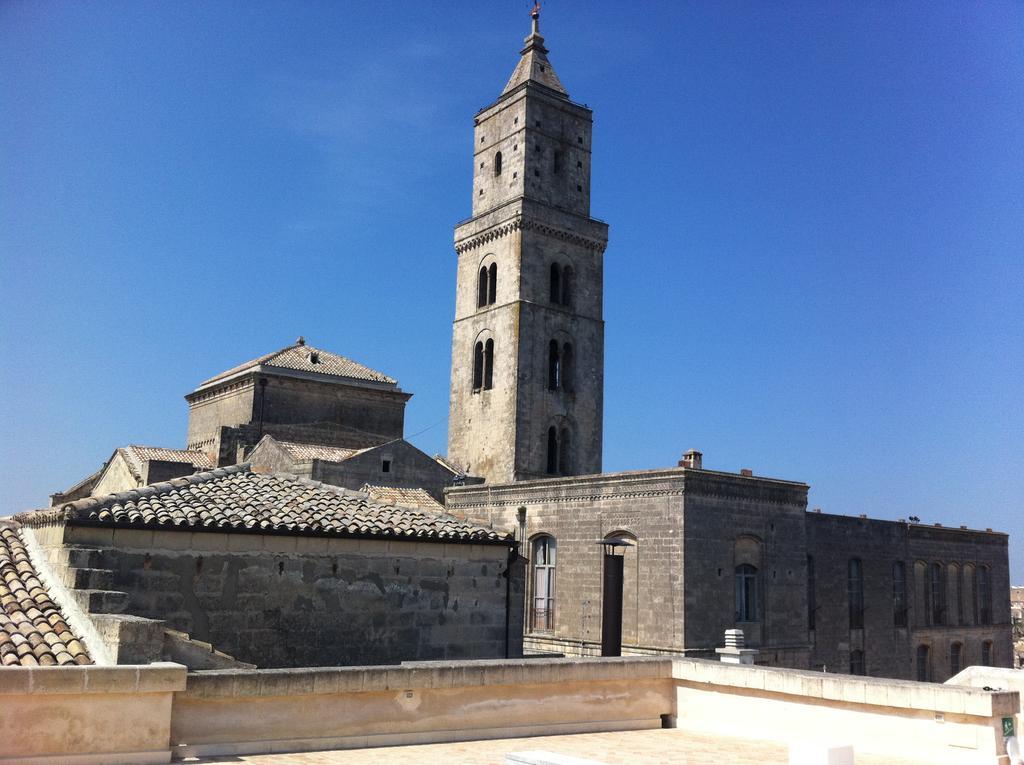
<point x="691" y="459"/>
<point x="747" y="472"/>
<point x="300" y="340"/>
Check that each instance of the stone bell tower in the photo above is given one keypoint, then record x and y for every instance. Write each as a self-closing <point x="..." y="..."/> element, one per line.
<point x="527" y="388"/>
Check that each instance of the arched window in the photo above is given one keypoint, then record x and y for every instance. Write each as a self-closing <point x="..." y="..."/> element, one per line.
<point x="984" y="595"/>
<point x="492" y="284"/>
<point x="921" y="663"/>
<point x="478" y="366"/>
<point x="482" y="288"/>
<point x="746" y="593"/>
<point x="970" y="594"/>
<point x="954" y="596"/>
<point x="488" y="364"/>
<point x="922" y="606"/>
<point x="554" y="366"/>
<point x="986" y="653"/>
<point x="564" y="453"/>
<point x="567" y="369"/>
<point x="566" y="287"/>
<point x="855" y="592"/>
<point x="938" y="595"/>
<point x="497" y="163"/>
<point x="542" y="615"/>
<point x="899" y="594"/>
<point x="857" y="666"/>
<point x="556" y="283"/>
<point x="552" y="450"/>
<point x="812" y="595"/>
<point x="955" y="664"/>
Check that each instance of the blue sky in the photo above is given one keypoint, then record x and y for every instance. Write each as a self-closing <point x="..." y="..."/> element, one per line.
<point x="816" y="260"/>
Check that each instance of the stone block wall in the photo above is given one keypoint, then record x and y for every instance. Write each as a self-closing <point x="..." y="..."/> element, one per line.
<point x="282" y="601"/>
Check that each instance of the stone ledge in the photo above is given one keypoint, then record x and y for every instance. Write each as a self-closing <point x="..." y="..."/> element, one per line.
<point x="870" y="691"/>
<point x="425" y="674"/>
<point x="159" y="677"/>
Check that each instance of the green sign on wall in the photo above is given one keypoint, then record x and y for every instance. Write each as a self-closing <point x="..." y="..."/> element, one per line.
<point x="1007" y="727"/>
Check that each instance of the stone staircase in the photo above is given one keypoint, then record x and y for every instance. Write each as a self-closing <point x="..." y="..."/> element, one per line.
<point x="127" y="639"/>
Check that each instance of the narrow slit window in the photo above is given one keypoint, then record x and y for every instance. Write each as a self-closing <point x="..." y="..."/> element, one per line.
<point x="478" y="366"/>
<point x="497" y="163"/>
<point x="552" y="466"/>
<point x="492" y="284"/>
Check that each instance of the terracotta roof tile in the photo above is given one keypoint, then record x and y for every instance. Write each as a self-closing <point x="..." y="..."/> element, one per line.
<point x="395" y="495"/>
<point x="306" y="358"/>
<point x="299" y="451"/>
<point x="236" y="499"/>
<point x="32" y="629"/>
<point x="135" y="455"/>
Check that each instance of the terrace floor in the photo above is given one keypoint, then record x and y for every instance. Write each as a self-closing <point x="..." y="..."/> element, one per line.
<point x="643" y="747"/>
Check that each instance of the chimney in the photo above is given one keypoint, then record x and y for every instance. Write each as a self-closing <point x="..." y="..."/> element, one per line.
<point x="691" y="459"/>
<point x="747" y="472"/>
<point x="735" y="651"/>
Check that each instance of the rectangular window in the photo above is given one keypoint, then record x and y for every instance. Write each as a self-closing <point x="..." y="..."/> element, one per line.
<point x="746" y="593"/>
<point x="543" y="616"/>
<point x="855" y="593"/>
<point x="899" y="594"/>
<point x="385" y="466"/>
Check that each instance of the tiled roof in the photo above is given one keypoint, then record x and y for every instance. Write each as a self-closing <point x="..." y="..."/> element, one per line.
<point x="306" y="358"/>
<point x="135" y="455"/>
<point x="236" y="499"/>
<point x="299" y="451"/>
<point x="448" y="464"/>
<point x="395" y="495"/>
<point x="32" y="630"/>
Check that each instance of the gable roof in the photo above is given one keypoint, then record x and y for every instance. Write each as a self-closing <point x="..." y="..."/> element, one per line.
<point x="136" y="455"/>
<point x="397" y="495"/>
<point x="301" y="452"/>
<point x="32" y="629"/>
<point x="235" y="499"/>
<point x="305" y="358"/>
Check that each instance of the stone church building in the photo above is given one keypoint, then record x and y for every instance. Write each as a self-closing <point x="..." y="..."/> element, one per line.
<point x="710" y="550"/>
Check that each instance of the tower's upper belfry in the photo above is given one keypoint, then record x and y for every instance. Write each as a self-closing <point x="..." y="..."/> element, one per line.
<point x="528" y="337"/>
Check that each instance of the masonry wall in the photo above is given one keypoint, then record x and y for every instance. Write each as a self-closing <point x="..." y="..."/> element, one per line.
<point x="285" y="601"/>
<point x="645" y="508"/>
<point x="116" y="477"/>
<point x="889" y="648"/>
<point x="295" y="409"/>
<point x="408" y="468"/>
<point x="733" y="520"/>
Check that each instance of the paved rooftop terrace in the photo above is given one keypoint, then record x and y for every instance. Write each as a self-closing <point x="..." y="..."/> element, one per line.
<point x="646" y="747"/>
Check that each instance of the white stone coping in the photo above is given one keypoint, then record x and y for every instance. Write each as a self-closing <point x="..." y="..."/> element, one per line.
<point x="882" y="692"/>
<point x="423" y="675"/>
<point x="159" y="677"/>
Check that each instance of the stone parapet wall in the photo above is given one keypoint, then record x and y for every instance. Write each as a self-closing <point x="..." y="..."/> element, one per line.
<point x="87" y="715"/>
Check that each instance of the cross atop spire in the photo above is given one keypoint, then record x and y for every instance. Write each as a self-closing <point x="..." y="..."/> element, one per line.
<point x="534" y="64"/>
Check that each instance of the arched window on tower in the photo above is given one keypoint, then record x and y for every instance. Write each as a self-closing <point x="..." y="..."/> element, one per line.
<point x="554" y="366"/>
<point x="986" y="653"/>
<point x="567" y="367"/>
<point x="492" y="283"/>
<point x="497" y="163"/>
<point x="566" y="287"/>
<point x="552" y="467"/>
<point x="478" y="366"/>
<point x="482" y="288"/>
<point x="556" y="284"/>
<point x="488" y="364"/>
<point x="564" y="453"/>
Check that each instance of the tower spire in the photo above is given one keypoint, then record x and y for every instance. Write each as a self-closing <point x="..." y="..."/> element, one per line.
<point x="534" y="65"/>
